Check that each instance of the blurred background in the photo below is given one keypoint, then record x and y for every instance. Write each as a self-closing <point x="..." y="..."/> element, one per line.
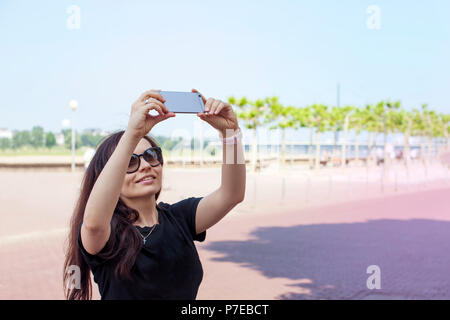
<point x="345" y="118"/>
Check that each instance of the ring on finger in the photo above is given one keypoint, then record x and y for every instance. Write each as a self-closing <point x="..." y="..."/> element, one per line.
<point x="146" y="101"/>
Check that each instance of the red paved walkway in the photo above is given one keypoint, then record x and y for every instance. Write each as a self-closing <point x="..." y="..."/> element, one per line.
<point x="263" y="252"/>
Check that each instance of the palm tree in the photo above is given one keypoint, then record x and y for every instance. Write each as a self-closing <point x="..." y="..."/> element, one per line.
<point x="252" y="113"/>
<point x="336" y="123"/>
<point x="419" y="128"/>
<point x="346" y="111"/>
<point x="320" y="119"/>
<point x="403" y="121"/>
<point x="284" y="117"/>
<point x="357" y="123"/>
<point x="444" y="119"/>
<point x="389" y="124"/>
<point x="435" y="128"/>
<point x="302" y="118"/>
<point x="439" y="129"/>
<point x="374" y="124"/>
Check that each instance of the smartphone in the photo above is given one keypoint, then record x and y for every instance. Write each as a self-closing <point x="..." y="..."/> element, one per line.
<point x="183" y="102"/>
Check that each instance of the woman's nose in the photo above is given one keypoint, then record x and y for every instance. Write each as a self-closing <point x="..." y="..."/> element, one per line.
<point x="144" y="164"/>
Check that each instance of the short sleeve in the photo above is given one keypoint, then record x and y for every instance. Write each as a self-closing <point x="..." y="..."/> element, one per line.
<point x="187" y="210"/>
<point x="92" y="260"/>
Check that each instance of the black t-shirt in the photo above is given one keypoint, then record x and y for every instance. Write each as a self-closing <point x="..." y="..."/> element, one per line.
<point x="167" y="266"/>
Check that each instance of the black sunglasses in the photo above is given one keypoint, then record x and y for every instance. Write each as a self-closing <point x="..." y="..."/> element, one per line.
<point x="152" y="155"/>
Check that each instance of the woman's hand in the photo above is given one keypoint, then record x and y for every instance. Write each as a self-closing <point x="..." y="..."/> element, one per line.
<point x="218" y="114"/>
<point x="141" y="122"/>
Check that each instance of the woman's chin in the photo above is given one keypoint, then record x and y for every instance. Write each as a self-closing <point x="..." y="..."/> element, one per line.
<point x="148" y="189"/>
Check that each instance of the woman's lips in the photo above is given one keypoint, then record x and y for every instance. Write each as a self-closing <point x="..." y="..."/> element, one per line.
<point x="149" y="181"/>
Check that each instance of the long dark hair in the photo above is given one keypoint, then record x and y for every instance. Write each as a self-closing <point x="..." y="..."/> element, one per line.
<point x="124" y="242"/>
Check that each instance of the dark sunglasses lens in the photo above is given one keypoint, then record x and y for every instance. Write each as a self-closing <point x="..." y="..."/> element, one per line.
<point x="134" y="162"/>
<point x="151" y="156"/>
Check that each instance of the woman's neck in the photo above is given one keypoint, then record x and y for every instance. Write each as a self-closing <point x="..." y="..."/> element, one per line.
<point x="146" y="207"/>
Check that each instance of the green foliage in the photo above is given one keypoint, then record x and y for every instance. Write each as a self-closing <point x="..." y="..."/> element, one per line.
<point x="444" y="121"/>
<point x="319" y="114"/>
<point x="374" y="117"/>
<point x="384" y="116"/>
<point x="303" y="117"/>
<point x="357" y="119"/>
<point x="401" y="121"/>
<point x="50" y="140"/>
<point x="167" y="143"/>
<point x="195" y="143"/>
<point x="90" y="140"/>
<point x="282" y="117"/>
<point x="20" y="139"/>
<point x="419" y="123"/>
<point x="5" y="143"/>
<point x="37" y="137"/>
<point x="68" y="140"/>
<point x="336" y="118"/>
<point x="251" y="112"/>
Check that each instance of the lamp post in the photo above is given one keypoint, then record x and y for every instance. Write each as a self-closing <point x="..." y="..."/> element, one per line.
<point x="73" y="105"/>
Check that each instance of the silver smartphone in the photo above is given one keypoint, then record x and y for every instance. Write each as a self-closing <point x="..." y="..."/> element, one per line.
<point x="183" y="102"/>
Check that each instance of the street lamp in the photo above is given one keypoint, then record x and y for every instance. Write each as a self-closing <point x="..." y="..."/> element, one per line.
<point x="73" y="105"/>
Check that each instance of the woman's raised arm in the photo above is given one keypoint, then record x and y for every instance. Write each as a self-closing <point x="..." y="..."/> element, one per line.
<point x="96" y="227"/>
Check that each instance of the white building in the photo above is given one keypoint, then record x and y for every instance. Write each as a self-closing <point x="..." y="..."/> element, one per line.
<point x="95" y="131"/>
<point x="6" y="133"/>
<point x="59" y="137"/>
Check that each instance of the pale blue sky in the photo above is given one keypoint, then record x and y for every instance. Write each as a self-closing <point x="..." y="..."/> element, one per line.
<point x="297" y="50"/>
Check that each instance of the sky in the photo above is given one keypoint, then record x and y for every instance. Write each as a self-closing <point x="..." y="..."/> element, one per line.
<point x="296" y="50"/>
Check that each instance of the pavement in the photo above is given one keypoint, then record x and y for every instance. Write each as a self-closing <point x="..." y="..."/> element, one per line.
<point x="297" y="235"/>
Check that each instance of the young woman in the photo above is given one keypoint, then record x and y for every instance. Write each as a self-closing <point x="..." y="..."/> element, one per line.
<point x="136" y="248"/>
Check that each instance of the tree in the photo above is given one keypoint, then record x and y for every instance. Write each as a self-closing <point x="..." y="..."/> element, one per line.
<point x="168" y="143"/>
<point x="5" y="143"/>
<point x="21" y="138"/>
<point x="252" y="113"/>
<point x="434" y="128"/>
<point x="346" y="111"/>
<point x="444" y="119"/>
<point x="373" y="122"/>
<point x="389" y="109"/>
<point x="319" y="117"/>
<point x="68" y="140"/>
<point x="357" y="122"/>
<point x="66" y="132"/>
<point x="37" y="137"/>
<point x="336" y="123"/>
<point x="283" y="117"/>
<point x="419" y="128"/>
<point x="50" y="140"/>
<point x="90" y="140"/>
<point x="302" y="118"/>
<point x="403" y="121"/>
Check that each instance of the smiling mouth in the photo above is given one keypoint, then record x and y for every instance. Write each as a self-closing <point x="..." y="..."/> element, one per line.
<point x="146" y="180"/>
<point x="149" y="178"/>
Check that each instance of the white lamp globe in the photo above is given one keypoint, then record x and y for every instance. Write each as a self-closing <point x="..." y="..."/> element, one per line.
<point x="73" y="104"/>
<point x="66" y="123"/>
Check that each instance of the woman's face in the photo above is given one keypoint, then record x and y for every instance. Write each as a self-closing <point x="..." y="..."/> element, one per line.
<point x="131" y="188"/>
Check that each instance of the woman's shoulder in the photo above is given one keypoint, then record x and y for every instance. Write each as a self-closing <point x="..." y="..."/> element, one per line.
<point x="186" y="203"/>
<point x="184" y="211"/>
<point x="163" y="205"/>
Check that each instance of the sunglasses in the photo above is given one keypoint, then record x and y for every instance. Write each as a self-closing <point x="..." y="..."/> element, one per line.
<point x="152" y="155"/>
